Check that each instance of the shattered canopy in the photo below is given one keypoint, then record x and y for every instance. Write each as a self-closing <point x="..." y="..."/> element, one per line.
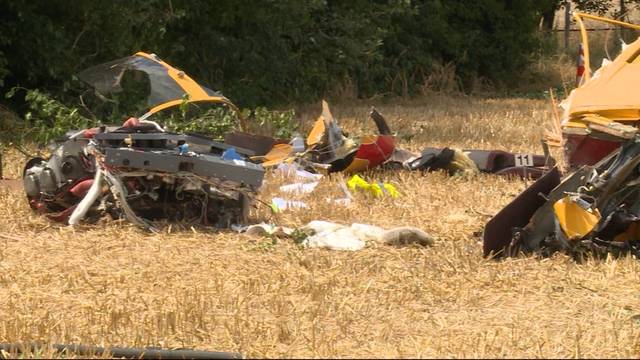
<point x="168" y="86"/>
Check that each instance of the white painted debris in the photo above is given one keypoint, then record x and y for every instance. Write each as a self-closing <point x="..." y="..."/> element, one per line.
<point x="299" y="188"/>
<point x="295" y="171"/>
<point x="280" y="204"/>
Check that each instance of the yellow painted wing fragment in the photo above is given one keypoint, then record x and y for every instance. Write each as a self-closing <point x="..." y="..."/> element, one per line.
<point x="278" y="154"/>
<point x="316" y="134"/>
<point x="575" y="221"/>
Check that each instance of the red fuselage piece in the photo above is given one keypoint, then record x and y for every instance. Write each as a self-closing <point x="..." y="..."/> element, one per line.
<point x="587" y="150"/>
<point x="373" y="153"/>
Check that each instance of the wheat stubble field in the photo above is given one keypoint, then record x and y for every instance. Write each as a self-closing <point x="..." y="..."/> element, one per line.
<point x="113" y="284"/>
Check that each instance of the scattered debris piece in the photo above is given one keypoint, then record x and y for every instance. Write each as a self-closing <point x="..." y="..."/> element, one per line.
<point x="456" y="161"/>
<point x="377" y="189"/>
<point x="293" y="170"/>
<point x="407" y="235"/>
<point x="355" y="237"/>
<point x="338" y="237"/>
<point x="170" y="87"/>
<point x="299" y="188"/>
<point x="279" y="204"/>
<point x="231" y="154"/>
<point x="596" y="208"/>
<point x="263" y="229"/>
<point x="258" y="144"/>
<point x="329" y="150"/>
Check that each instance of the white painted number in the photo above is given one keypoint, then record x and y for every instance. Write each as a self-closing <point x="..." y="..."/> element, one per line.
<point x="524" y="160"/>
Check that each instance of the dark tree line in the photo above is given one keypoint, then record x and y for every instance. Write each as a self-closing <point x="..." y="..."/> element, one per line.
<point x="272" y="51"/>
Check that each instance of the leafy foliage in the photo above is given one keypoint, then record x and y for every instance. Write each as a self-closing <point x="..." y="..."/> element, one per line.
<point x="600" y="7"/>
<point x="217" y="121"/>
<point x="48" y="119"/>
<point x="279" y="124"/>
<point x="213" y="122"/>
<point x="490" y="39"/>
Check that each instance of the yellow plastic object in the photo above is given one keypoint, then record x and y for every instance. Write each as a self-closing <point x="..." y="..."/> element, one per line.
<point x="278" y="154"/>
<point x="356" y="182"/>
<point x="575" y="221"/>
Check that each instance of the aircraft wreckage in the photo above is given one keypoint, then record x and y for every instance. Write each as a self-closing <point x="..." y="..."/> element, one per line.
<point x="595" y="209"/>
<point x="138" y="170"/>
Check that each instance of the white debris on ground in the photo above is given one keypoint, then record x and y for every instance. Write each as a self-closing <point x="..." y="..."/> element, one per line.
<point x="333" y="236"/>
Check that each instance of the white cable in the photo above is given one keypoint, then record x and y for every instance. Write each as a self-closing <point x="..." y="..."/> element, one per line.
<point x="152" y="123"/>
<point x="77" y="134"/>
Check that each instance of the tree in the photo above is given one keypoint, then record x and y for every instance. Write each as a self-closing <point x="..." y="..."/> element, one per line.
<point x="600" y="7"/>
<point x="272" y="51"/>
<point x="43" y="43"/>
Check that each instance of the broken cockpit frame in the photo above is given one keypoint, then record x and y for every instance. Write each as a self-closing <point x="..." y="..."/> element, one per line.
<point x="168" y="86"/>
<point x="138" y="171"/>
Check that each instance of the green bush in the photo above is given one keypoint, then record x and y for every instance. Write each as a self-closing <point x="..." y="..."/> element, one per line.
<point x="213" y="122"/>
<point x="279" y="124"/>
<point x="217" y="121"/>
<point x="47" y="119"/>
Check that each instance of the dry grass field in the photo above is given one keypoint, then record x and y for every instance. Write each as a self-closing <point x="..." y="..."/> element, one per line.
<point x="113" y="284"/>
